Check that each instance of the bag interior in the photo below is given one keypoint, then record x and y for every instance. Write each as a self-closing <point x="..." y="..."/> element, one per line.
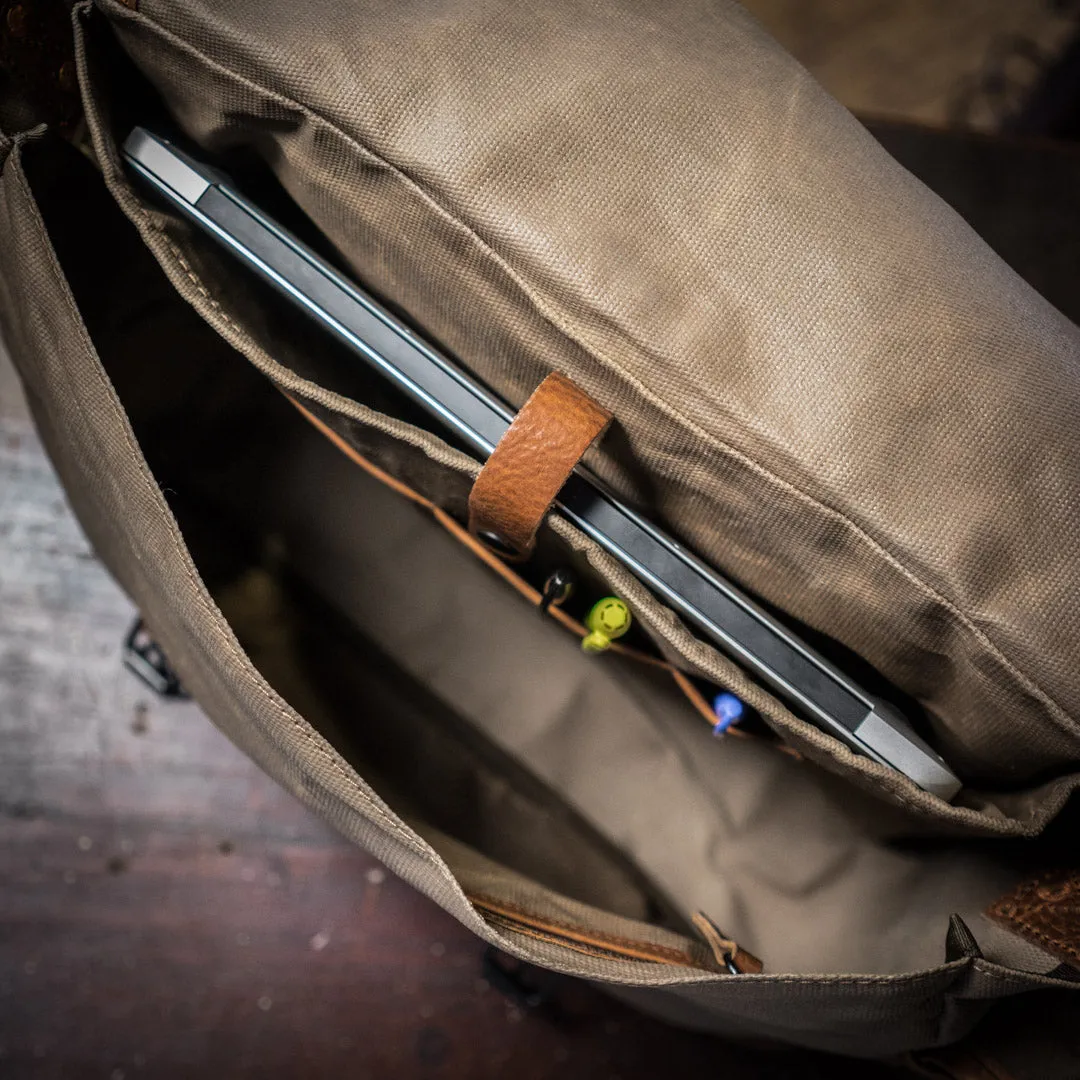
<point x="470" y="714"/>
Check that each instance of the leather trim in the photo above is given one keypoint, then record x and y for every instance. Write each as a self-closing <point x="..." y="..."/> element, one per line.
<point x="534" y="458"/>
<point x="1046" y="911"/>
<point x="584" y="939"/>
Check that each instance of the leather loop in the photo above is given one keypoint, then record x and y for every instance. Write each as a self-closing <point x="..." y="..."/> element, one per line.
<point x="534" y="458"/>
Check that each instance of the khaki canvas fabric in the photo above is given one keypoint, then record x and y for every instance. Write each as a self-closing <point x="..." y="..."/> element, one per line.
<point x="822" y="379"/>
<point x="120" y="371"/>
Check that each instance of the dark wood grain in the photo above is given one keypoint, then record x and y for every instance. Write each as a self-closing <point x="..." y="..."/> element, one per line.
<point x="166" y="910"/>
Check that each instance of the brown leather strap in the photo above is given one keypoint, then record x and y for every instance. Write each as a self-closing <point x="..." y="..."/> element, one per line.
<point x="1046" y="911"/>
<point x="519" y="482"/>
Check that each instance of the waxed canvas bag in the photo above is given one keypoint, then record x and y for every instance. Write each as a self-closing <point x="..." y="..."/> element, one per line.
<point x="821" y="380"/>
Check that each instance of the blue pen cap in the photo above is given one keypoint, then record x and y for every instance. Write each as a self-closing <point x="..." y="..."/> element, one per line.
<point x="728" y="709"/>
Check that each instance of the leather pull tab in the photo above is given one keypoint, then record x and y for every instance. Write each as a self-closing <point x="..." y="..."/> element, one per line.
<point x="534" y="458"/>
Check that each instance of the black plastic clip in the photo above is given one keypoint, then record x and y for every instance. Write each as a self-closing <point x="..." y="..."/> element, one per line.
<point x="144" y="657"/>
<point x="557" y="589"/>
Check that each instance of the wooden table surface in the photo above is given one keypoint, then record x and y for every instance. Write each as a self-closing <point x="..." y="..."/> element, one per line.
<point x="166" y="910"/>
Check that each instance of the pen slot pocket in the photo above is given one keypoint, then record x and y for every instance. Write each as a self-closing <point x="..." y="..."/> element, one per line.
<point x="528" y="592"/>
